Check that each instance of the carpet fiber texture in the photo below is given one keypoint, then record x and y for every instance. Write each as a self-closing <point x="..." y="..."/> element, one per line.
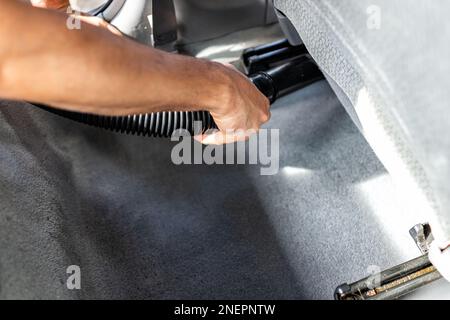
<point x="140" y="227"/>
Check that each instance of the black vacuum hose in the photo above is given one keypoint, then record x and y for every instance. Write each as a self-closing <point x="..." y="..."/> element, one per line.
<point x="272" y="83"/>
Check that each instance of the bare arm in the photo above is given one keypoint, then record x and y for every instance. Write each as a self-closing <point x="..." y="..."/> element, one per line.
<point x="92" y="70"/>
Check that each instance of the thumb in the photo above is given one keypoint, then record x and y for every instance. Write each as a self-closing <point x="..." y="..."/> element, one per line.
<point x="219" y="137"/>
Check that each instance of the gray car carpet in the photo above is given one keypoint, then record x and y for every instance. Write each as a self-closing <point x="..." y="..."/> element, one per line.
<point x="140" y="227"/>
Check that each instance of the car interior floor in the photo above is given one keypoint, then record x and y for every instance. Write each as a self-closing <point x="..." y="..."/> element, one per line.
<point x="143" y="227"/>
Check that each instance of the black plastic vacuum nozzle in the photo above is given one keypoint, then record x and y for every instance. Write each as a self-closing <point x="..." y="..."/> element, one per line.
<point x="273" y="83"/>
<point x="287" y="77"/>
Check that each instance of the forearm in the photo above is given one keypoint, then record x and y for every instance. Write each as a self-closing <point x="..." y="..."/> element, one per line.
<point x="91" y="70"/>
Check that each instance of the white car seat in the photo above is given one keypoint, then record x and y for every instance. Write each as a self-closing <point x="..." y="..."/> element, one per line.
<point x="388" y="63"/>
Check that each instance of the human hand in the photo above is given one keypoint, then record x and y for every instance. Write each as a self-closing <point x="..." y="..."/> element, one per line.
<point x="240" y="113"/>
<point x="51" y="4"/>
<point x="99" y="22"/>
<point x="63" y="5"/>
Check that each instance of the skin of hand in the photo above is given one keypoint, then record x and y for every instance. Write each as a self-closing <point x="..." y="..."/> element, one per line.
<point x="240" y="117"/>
<point x="62" y="6"/>
<point x="51" y="4"/>
<point x="99" y="22"/>
<point x="67" y="69"/>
